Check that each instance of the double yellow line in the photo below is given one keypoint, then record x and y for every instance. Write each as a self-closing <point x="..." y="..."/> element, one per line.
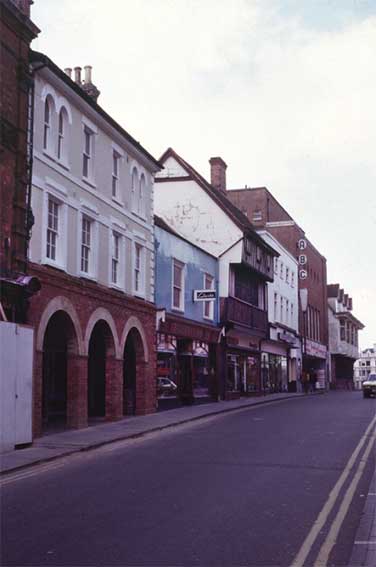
<point x="330" y="540"/>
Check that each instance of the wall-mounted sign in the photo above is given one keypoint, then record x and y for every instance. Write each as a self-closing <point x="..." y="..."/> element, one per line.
<point x="303" y="274"/>
<point x="302" y="244"/>
<point x="204" y="294"/>
<point x="302" y="259"/>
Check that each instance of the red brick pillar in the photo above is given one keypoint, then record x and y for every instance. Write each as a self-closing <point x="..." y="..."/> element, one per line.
<point x="77" y="376"/>
<point x="146" y="388"/>
<point x="37" y="393"/>
<point x="114" y="389"/>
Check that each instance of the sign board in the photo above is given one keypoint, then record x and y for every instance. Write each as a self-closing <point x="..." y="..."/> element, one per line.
<point x="302" y="259"/>
<point x="204" y="294"/>
<point x="302" y="244"/>
<point x="315" y="349"/>
<point x="303" y="274"/>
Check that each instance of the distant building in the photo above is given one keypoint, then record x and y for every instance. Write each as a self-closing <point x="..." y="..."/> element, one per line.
<point x="265" y="212"/>
<point x="281" y="356"/>
<point x="92" y="247"/>
<point x="364" y="366"/>
<point x="16" y="220"/>
<point x="343" y="337"/>
<point x="202" y="213"/>
<point x="187" y="331"/>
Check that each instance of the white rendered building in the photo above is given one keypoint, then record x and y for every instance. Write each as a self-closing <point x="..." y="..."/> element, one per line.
<point x="364" y="366"/>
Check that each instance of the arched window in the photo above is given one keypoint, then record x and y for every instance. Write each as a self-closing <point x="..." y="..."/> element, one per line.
<point x="61" y="134"/>
<point x="141" y="197"/>
<point x="47" y="124"/>
<point x="133" y="189"/>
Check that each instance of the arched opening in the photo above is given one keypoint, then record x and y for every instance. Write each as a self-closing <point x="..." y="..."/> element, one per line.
<point x="59" y="343"/>
<point x="134" y="359"/>
<point x="101" y="346"/>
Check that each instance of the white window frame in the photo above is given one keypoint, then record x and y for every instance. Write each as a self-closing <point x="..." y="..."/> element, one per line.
<point x="115" y="179"/>
<point x="134" y="183"/>
<point x="181" y="306"/>
<point x="92" y="272"/>
<point x="138" y="267"/>
<point x="276" y="265"/>
<point x="208" y="305"/>
<point x="141" y="196"/>
<point x="60" y="260"/>
<point x="47" y="125"/>
<point x="281" y="270"/>
<point x="120" y="283"/>
<point x="275" y="306"/>
<point x="287" y="274"/>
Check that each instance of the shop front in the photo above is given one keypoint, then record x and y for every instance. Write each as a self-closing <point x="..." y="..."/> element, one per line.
<point x="242" y="376"/>
<point x="281" y="362"/>
<point x="315" y="363"/>
<point x="186" y="362"/>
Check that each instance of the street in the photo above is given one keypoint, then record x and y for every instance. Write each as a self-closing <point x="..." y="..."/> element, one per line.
<point x="243" y="488"/>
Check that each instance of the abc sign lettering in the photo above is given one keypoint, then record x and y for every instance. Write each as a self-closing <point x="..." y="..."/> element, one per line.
<point x="303" y="274"/>
<point x="302" y="259"/>
<point x="302" y="244"/>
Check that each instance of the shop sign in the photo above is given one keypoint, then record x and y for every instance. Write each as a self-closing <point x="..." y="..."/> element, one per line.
<point x="287" y="337"/>
<point x="302" y="259"/>
<point x="302" y="244"/>
<point x="315" y="349"/>
<point x="303" y="274"/>
<point x="166" y="343"/>
<point x="204" y="294"/>
<point x="186" y="330"/>
<point x="200" y="348"/>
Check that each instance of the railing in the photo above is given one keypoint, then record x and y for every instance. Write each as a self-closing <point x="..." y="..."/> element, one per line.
<point x="237" y="311"/>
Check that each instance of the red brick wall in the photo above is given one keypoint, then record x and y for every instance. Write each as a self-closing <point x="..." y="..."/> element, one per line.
<point x="259" y="199"/>
<point x="86" y="297"/>
<point x="15" y="37"/>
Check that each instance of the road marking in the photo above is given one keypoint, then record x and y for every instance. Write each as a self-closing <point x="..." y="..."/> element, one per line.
<point x="365" y="542"/>
<point x="331" y="538"/>
<point x="28" y="473"/>
<point x="330" y="503"/>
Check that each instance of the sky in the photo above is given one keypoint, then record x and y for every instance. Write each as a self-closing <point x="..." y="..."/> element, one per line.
<point x="283" y="90"/>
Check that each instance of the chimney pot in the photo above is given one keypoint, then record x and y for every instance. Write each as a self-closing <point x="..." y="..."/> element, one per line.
<point x="68" y="71"/>
<point x="88" y="69"/>
<point x="218" y="173"/>
<point x="77" y="75"/>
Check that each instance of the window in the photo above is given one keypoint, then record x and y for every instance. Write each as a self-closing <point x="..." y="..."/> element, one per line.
<point x="342" y="330"/>
<point x="115" y="258"/>
<point x="61" y="134"/>
<point x="178" y="285"/>
<point x="257" y="215"/>
<point x="47" y="124"/>
<point x="138" y="269"/>
<point x="292" y="279"/>
<point x="86" y="245"/>
<point x="287" y="311"/>
<point x="133" y="189"/>
<point x="52" y="229"/>
<point x="292" y="314"/>
<point x="281" y="271"/>
<point x="141" y="197"/>
<point x="87" y="153"/>
<point x="281" y="310"/>
<point x="115" y="173"/>
<point x="287" y="275"/>
<point x="276" y="265"/>
<point x="208" y="305"/>
<point x="275" y="306"/>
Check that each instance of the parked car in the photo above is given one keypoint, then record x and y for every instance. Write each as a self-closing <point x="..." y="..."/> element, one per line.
<point x="369" y="386"/>
<point x="166" y="387"/>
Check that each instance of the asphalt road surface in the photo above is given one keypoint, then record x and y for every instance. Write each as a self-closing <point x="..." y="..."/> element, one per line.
<point x="281" y="484"/>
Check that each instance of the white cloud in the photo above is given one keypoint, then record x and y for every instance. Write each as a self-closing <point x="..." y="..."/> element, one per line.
<point x="286" y="104"/>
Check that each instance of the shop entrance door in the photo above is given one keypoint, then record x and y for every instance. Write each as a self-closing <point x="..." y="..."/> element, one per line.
<point x="185" y="378"/>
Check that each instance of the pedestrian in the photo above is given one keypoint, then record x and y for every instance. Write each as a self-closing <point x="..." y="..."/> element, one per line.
<point x="312" y="381"/>
<point x="305" y="381"/>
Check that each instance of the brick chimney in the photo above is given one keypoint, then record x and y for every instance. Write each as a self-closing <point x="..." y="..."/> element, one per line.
<point x="88" y="86"/>
<point x="218" y="173"/>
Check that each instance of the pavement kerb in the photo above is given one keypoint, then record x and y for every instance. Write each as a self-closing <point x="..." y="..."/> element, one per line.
<point x="177" y="423"/>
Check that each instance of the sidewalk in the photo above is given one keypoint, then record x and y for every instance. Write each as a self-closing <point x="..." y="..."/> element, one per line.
<point x="364" y="550"/>
<point x="57" y="445"/>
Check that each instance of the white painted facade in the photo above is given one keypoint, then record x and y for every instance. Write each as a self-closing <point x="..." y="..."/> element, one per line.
<point x="342" y="341"/>
<point x="364" y="366"/>
<point x="191" y="212"/>
<point x="92" y="193"/>
<point x="283" y="301"/>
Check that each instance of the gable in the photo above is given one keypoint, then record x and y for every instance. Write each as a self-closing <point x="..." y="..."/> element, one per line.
<point x="172" y="169"/>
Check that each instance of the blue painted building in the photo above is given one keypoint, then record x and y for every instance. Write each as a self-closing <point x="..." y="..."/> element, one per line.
<point x="188" y="326"/>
